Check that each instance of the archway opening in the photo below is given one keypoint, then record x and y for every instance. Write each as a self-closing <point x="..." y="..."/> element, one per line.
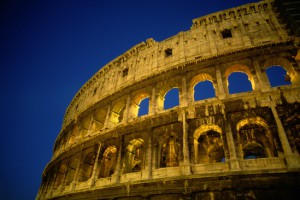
<point x="204" y="90"/>
<point x="253" y="150"/>
<point x="278" y="76"/>
<point x="108" y="162"/>
<point x="210" y="148"/>
<point x="144" y="107"/>
<point x="87" y="166"/>
<point x="171" y="98"/>
<point x="239" y="82"/>
<point x="133" y="156"/>
<point x="170" y="152"/>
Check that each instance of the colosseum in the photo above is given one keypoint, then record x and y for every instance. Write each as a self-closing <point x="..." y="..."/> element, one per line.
<point x="224" y="145"/>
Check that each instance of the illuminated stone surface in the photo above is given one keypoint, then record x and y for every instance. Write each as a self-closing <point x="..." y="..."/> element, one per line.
<point x="231" y="146"/>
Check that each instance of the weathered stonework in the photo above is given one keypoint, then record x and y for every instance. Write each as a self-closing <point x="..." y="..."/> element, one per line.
<point x="198" y="149"/>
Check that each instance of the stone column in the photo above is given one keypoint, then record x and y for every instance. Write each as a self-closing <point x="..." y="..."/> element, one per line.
<point x="126" y="111"/>
<point x="291" y="159"/>
<point x="152" y="103"/>
<point x="90" y="125"/>
<point x="221" y="92"/>
<point x="147" y="172"/>
<point x="186" y="170"/>
<point x="233" y="161"/>
<point x="106" y="123"/>
<point x="184" y="93"/>
<point x="117" y="175"/>
<point x="95" y="168"/>
<point x="262" y="78"/>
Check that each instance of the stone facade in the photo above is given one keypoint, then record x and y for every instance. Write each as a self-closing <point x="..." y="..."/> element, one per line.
<point x="198" y="149"/>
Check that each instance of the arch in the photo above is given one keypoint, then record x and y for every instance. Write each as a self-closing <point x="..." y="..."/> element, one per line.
<point x="253" y="150"/>
<point x="171" y="98"/>
<point x="208" y="144"/>
<point x="277" y="76"/>
<point x="72" y="167"/>
<point x="85" y="124"/>
<point x="199" y="83"/>
<point x="255" y="138"/>
<point x="133" y="156"/>
<point x="206" y="127"/>
<point x="87" y="166"/>
<point x="135" y="105"/>
<point x="144" y="107"/>
<point x="60" y="173"/>
<point x="108" y="162"/>
<point x="287" y="65"/>
<point x="170" y="151"/>
<point x="73" y="134"/>
<point x="164" y="89"/>
<point x="117" y="112"/>
<point x="238" y="82"/>
<point x="239" y="68"/>
<point x="252" y="120"/>
<point x="99" y="119"/>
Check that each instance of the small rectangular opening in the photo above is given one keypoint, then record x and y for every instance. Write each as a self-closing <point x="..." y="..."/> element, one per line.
<point x="125" y="72"/>
<point x="226" y="33"/>
<point x="168" y="52"/>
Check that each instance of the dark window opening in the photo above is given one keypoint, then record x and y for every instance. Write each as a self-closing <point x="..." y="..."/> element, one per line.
<point x="226" y="33"/>
<point x="277" y="76"/>
<point x="238" y="82"/>
<point x="171" y="98"/>
<point x="168" y="52"/>
<point x="144" y="107"/>
<point x="125" y="72"/>
<point x="204" y="90"/>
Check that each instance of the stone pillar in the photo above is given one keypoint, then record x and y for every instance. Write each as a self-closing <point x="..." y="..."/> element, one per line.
<point x="184" y="93"/>
<point x="116" y="176"/>
<point x="90" y="125"/>
<point x="147" y="172"/>
<point x="152" y="103"/>
<point x="154" y="156"/>
<point x="106" y="123"/>
<point x="291" y="159"/>
<point x="186" y="170"/>
<point x="221" y="92"/>
<point x="95" y="169"/>
<point x="233" y="161"/>
<point x="126" y="111"/>
<point x="262" y="78"/>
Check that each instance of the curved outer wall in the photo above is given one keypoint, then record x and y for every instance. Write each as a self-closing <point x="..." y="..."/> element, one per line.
<point x="198" y="149"/>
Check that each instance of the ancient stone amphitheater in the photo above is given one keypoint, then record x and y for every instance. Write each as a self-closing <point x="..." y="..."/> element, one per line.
<point x="225" y="146"/>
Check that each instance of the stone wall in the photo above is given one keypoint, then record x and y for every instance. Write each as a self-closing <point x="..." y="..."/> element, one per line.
<point x="242" y="145"/>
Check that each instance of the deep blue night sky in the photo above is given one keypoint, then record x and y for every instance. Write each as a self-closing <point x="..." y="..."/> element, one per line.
<point x="49" y="49"/>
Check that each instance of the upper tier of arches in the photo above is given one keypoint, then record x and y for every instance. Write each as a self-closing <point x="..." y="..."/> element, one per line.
<point x="222" y="33"/>
<point x="184" y="87"/>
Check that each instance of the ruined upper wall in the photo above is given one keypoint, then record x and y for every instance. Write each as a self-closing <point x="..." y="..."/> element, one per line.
<point x="219" y="33"/>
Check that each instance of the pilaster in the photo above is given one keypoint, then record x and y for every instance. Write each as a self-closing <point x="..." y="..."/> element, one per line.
<point x="291" y="159"/>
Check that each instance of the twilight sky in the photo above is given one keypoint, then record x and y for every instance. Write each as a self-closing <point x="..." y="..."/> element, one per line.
<point x="49" y="49"/>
